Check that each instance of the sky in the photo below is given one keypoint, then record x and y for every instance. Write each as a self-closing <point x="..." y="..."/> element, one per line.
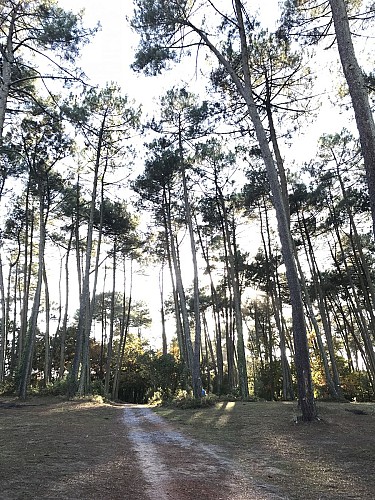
<point x="108" y="58"/>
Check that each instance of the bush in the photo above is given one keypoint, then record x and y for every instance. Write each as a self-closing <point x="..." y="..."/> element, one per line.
<point x="8" y="388"/>
<point x="56" y="388"/>
<point x="356" y="386"/>
<point x="185" y="400"/>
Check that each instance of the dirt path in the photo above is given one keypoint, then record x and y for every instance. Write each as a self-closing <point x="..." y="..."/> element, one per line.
<point x="177" y="467"/>
<point x="53" y="449"/>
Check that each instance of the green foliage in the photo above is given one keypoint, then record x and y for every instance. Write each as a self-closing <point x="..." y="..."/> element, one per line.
<point x="155" y="21"/>
<point x="8" y="388"/>
<point x="56" y="388"/>
<point x="135" y="384"/>
<point x="166" y="374"/>
<point x="185" y="400"/>
<point x="356" y="386"/>
<point x="59" y="30"/>
<point x="147" y="376"/>
<point x="268" y="381"/>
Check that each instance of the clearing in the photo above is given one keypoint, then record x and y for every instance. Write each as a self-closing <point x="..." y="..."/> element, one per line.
<point x="55" y="449"/>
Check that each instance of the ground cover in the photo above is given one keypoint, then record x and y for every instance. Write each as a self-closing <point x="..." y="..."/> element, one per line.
<point x="332" y="458"/>
<point x="54" y="449"/>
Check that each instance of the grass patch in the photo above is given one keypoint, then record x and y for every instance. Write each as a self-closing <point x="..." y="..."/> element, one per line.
<point x="331" y="458"/>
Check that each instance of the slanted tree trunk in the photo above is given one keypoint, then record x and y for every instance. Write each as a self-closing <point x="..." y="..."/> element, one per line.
<point x="359" y="94"/>
<point x="302" y="358"/>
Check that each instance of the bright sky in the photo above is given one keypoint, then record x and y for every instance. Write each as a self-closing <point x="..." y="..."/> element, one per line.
<point x="109" y="55"/>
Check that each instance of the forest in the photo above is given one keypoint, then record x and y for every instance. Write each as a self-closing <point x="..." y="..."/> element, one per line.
<point x="249" y="191"/>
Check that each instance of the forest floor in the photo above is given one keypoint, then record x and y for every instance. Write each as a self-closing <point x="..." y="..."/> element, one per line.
<point x="55" y="449"/>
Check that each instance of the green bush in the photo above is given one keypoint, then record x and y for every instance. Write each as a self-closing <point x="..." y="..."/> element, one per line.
<point x="8" y="388"/>
<point x="185" y="400"/>
<point x="356" y="386"/>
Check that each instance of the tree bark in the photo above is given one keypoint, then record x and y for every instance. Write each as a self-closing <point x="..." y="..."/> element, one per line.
<point x="3" y="330"/>
<point x="196" y="378"/>
<point x="358" y="93"/>
<point x="27" y="354"/>
<point x="7" y="56"/>
<point x="111" y="326"/>
<point x="47" y="346"/>
<point x="302" y="359"/>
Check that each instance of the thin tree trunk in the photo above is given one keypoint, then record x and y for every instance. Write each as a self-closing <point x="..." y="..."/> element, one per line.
<point x="219" y="365"/>
<point x="7" y="62"/>
<point x="123" y="335"/>
<point x="3" y="331"/>
<point x="237" y="301"/>
<point x="277" y="309"/>
<point x="27" y="265"/>
<point x="111" y="327"/>
<point x="83" y="333"/>
<point x="182" y="301"/>
<point x="196" y="378"/>
<point x="179" y="328"/>
<point x="162" y="312"/>
<point x="47" y="346"/>
<point x="66" y="309"/>
<point x="27" y="355"/>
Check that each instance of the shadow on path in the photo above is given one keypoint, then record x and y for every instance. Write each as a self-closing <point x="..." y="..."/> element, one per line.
<point x="177" y="467"/>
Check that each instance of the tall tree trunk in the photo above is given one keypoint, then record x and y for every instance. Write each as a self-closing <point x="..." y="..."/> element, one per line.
<point x="47" y="344"/>
<point x="3" y="330"/>
<point x="125" y="321"/>
<point x="27" y="354"/>
<point x="244" y="87"/>
<point x="112" y="323"/>
<point x="168" y="237"/>
<point x="230" y="252"/>
<point x="7" y="60"/>
<point x="219" y="365"/>
<point x="182" y="300"/>
<point x="196" y="378"/>
<point x="27" y="266"/>
<point x="277" y="307"/>
<point x="66" y="309"/>
<point x="83" y="333"/>
<point x="162" y="312"/>
<point x="358" y="93"/>
<point x="302" y="358"/>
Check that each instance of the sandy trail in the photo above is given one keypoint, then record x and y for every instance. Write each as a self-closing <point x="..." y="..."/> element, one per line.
<point x="177" y="467"/>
